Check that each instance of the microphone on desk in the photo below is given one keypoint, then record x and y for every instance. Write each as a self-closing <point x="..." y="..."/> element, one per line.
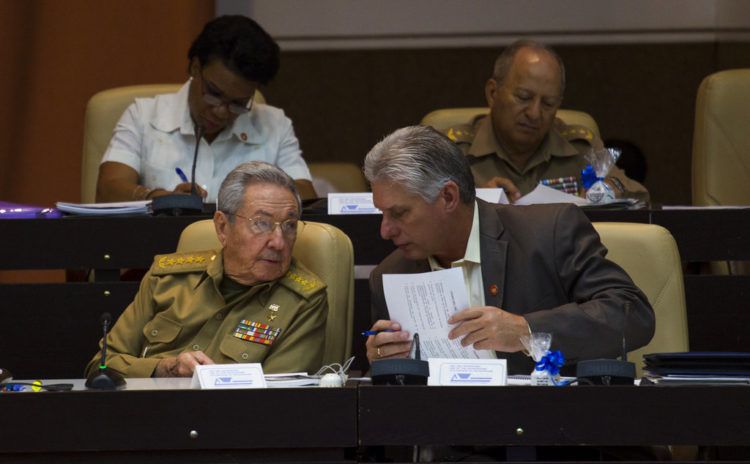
<point x="177" y="204"/>
<point x="608" y="371"/>
<point x="104" y="378"/>
<point x="406" y="371"/>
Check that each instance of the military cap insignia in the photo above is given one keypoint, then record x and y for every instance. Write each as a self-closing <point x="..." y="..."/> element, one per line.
<point x="256" y="332"/>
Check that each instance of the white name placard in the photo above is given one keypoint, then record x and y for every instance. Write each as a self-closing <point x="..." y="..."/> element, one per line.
<point x="467" y="372"/>
<point x="228" y="376"/>
<point x="351" y="203"/>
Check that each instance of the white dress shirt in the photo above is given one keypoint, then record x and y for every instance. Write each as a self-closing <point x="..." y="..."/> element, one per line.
<point x="156" y="135"/>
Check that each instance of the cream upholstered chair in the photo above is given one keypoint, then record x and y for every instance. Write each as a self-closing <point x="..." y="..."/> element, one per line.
<point x="326" y="251"/>
<point x="649" y="254"/>
<point x="102" y="113"/>
<point x="337" y="177"/>
<point x="449" y="117"/>
<point x="721" y="140"/>
<point x="721" y="148"/>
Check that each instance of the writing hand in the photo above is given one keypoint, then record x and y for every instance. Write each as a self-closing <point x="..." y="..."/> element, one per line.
<point x="186" y="187"/>
<point x="394" y="344"/>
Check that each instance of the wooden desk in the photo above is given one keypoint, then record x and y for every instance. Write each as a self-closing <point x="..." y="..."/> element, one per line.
<point x="525" y="416"/>
<point x="300" y="424"/>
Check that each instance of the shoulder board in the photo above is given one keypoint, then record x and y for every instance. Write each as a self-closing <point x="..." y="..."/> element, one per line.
<point x="460" y="134"/>
<point x="574" y="132"/>
<point x="302" y="281"/>
<point x="175" y="263"/>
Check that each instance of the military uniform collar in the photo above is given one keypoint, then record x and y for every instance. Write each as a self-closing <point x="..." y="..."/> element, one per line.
<point x="554" y="144"/>
<point x="174" y="114"/>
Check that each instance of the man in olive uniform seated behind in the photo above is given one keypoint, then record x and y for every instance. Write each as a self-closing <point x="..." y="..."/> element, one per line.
<point x="520" y="142"/>
<point x="249" y="301"/>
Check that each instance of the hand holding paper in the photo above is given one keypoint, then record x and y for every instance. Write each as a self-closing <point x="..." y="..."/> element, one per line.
<point x="489" y="328"/>
<point x="423" y="303"/>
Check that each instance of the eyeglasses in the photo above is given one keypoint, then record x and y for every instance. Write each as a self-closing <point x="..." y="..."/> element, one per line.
<point x="213" y="98"/>
<point x="261" y="225"/>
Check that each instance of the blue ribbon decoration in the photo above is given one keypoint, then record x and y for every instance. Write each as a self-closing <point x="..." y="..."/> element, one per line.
<point x="551" y="362"/>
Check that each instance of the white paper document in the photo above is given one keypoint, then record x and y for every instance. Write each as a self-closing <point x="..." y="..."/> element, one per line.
<point x="543" y="194"/>
<point x="105" y="209"/>
<point x="493" y="195"/>
<point x="422" y="303"/>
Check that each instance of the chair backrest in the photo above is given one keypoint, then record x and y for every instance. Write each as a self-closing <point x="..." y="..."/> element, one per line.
<point x="325" y="250"/>
<point x="648" y="253"/>
<point x="337" y="177"/>
<point x="102" y="113"/>
<point x="449" y="117"/>
<point x="721" y="139"/>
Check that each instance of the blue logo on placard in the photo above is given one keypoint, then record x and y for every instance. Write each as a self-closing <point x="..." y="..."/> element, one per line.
<point x="467" y="377"/>
<point x="230" y="381"/>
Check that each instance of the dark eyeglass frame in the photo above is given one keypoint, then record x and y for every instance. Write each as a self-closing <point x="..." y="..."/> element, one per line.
<point x="258" y="228"/>
<point x="210" y="98"/>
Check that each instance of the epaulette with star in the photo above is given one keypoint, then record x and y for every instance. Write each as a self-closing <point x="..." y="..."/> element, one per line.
<point x="460" y="134"/>
<point x="176" y="263"/>
<point x="301" y="280"/>
<point x="575" y="132"/>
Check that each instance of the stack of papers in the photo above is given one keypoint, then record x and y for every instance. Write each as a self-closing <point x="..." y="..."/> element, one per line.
<point x="704" y="367"/>
<point x="291" y="379"/>
<point x="105" y="209"/>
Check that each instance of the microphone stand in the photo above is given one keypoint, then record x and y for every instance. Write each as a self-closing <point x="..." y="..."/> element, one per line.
<point x="608" y="371"/>
<point x="178" y="204"/>
<point x="404" y="371"/>
<point x="103" y="378"/>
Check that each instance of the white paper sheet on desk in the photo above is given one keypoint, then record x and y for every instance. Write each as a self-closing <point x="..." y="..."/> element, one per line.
<point x="493" y="195"/>
<point x="543" y="194"/>
<point x="422" y="303"/>
<point x="105" y="209"/>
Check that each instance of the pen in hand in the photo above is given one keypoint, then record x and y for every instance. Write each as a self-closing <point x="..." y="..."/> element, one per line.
<point x="182" y="175"/>
<point x="368" y="333"/>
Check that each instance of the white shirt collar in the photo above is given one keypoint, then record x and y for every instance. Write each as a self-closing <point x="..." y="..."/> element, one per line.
<point x="473" y="253"/>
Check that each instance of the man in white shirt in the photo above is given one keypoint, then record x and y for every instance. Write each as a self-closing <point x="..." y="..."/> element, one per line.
<point x="156" y="137"/>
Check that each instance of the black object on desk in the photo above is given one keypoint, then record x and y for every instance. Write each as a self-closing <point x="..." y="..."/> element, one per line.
<point x="104" y="378"/>
<point x="404" y="371"/>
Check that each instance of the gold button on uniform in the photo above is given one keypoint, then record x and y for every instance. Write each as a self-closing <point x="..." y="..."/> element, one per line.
<point x="219" y="316"/>
<point x="245" y="356"/>
<point x="196" y="347"/>
<point x="154" y="333"/>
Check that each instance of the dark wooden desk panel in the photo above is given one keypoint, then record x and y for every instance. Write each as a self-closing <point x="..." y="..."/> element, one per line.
<point x="615" y="416"/>
<point x="708" y="235"/>
<point x="77" y="242"/>
<point x="53" y="330"/>
<point x="302" y="424"/>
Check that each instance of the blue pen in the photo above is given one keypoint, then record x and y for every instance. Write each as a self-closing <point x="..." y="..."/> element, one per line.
<point x="182" y="175"/>
<point x="368" y="333"/>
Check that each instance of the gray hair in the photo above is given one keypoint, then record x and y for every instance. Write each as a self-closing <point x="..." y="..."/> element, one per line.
<point x="421" y="160"/>
<point x="232" y="190"/>
<point x="504" y="61"/>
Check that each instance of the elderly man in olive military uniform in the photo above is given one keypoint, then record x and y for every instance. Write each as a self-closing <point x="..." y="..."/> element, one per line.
<point x="247" y="302"/>
<point x="521" y="142"/>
